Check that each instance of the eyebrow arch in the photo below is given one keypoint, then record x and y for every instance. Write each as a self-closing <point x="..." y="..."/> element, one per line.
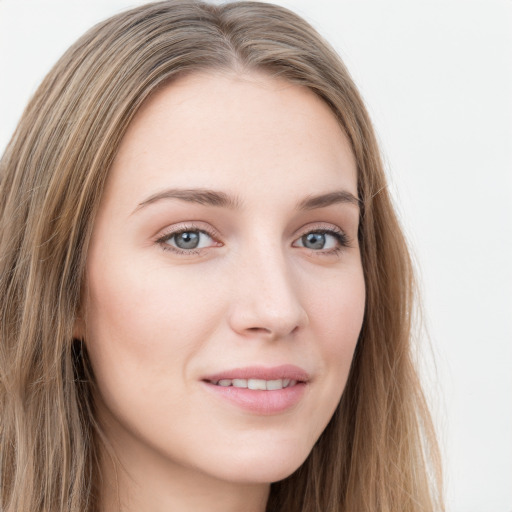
<point x="331" y="198"/>
<point x="196" y="195"/>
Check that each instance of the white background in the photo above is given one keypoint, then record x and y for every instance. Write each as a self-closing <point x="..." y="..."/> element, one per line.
<point x="437" y="79"/>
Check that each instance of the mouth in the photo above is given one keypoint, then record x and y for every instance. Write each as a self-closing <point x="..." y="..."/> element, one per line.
<point x="256" y="384"/>
<point x="260" y="390"/>
<point x="260" y="378"/>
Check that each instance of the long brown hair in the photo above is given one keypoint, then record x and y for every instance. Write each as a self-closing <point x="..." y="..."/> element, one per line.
<point x="378" y="452"/>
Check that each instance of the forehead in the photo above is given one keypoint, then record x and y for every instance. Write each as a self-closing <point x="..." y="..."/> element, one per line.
<point x="221" y="130"/>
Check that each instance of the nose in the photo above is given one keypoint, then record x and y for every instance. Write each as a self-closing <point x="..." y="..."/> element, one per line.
<point x="266" y="299"/>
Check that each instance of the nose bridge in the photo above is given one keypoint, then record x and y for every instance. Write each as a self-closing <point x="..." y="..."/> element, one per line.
<point x="268" y="299"/>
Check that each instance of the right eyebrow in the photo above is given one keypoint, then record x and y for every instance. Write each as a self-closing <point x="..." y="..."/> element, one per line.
<point x="194" y="195"/>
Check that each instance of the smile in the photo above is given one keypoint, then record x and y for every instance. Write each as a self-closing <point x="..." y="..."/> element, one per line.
<point x="256" y="384"/>
<point x="260" y="390"/>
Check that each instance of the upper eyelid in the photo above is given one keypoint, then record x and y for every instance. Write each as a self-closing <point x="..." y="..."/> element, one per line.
<point x="213" y="232"/>
<point x="208" y="229"/>
<point x="181" y="227"/>
<point x="320" y="226"/>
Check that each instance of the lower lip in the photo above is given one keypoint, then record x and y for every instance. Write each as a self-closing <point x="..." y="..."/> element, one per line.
<point x="258" y="401"/>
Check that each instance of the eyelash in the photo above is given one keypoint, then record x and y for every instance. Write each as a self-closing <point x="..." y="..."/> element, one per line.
<point x="341" y="238"/>
<point x="187" y="228"/>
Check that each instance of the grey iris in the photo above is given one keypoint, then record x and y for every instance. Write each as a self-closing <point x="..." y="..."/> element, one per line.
<point x="187" y="240"/>
<point x="314" y="240"/>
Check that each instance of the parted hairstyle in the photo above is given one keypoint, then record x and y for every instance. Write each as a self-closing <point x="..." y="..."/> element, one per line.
<point x="377" y="454"/>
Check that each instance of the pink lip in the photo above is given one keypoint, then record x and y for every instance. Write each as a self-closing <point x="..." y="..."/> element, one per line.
<point x="257" y="401"/>
<point x="285" y="371"/>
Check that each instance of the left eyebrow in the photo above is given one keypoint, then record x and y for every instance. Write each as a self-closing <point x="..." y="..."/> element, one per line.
<point x="329" y="199"/>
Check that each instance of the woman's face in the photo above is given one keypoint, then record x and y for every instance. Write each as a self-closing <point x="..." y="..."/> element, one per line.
<point x="225" y="257"/>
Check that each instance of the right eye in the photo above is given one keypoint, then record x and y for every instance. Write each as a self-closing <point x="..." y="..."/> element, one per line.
<point x="187" y="240"/>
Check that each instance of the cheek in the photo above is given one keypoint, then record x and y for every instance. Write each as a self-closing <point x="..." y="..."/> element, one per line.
<point x="336" y="318"/>
<point x="338" y="313"/>
<point x="143" y="324"/>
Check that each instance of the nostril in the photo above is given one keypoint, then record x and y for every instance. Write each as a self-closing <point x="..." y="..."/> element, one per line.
<point x="258" y="329"/>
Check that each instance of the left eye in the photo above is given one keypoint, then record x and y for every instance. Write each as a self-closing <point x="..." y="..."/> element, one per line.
<point x="320" y="240"/>
<point x="189" y="239"/>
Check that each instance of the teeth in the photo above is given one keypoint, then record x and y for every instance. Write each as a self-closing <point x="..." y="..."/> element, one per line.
<point x="240" y="383"/>
<point x="257" y="384"/>
<point x="274" y="384"/>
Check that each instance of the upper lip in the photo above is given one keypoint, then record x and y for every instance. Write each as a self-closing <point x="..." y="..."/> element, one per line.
<point x="285" y="371"/>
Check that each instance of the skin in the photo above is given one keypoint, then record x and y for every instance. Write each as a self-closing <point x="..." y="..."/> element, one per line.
<point x="255" y="292"/>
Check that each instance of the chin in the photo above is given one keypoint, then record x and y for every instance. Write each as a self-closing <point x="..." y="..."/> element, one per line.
<point x="268" y="466"/>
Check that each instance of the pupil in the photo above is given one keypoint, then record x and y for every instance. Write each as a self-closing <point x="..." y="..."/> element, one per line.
<point x="187" y="240"/>
<point x="314" y="240"/>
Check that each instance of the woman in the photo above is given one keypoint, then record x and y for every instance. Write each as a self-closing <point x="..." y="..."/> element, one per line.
<point x="206" y="296"/>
